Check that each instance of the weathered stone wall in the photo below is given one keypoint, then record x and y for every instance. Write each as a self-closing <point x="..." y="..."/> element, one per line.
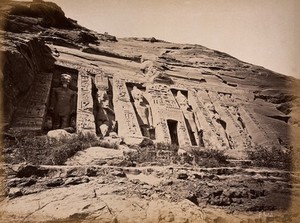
<point x="125" y="115"/>
<point x="217" y="115"/>
<point x="85" y="118"/>
<point x="25" y="65"/>
<point x="165" y="107"/>
<point x="31" y="111"/>
<point x="211" y="136"/>
<point x="224" y="118"/>
<point x="235" y="105"/>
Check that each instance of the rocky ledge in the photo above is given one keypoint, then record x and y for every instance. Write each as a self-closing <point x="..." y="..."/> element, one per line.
<point x="207" y="103"/>
<point x="98" y="190"/>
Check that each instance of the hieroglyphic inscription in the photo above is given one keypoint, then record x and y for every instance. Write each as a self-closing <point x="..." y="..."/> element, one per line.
<point x="85" y="117"/>
<point x="164" y="107"/>
<point x="165" y="136"/>
<point x="129" y="117"/>
<point x="31" y="111"/>
<point x="121" y="90"/>
<point x="162" y="96"/>
<point x="79" y="67"/>
<point x="125" y="116"/>
<point x="127" y="122"/>
<point x="85" y="122"/>
<point x="86" y="96"/>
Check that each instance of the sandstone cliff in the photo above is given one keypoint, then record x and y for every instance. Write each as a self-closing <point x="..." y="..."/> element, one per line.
<point x="200" y="99"/>
<point x="254" y="104"/>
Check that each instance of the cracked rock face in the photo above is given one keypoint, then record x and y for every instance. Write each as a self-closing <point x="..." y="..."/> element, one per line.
<point x="90" y="192"/>
<point x="93" y="193"/>
<point x="158" y="92"/>
<point x="229" y="105"/>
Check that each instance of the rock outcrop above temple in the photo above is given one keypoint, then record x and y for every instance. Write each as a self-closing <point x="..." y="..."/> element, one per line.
<point x="183" y="94"/>
<point x="169" y="115"/>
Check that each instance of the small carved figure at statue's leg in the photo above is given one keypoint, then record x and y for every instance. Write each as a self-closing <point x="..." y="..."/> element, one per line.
<point x="113" y="129"/>
<point x="103" y="122"/>
<point x="56" y="121"/>
<point x="48" y="124"/>
<point x="145" y="131"/>
<point x="73" y="122"/>
<point x="152" y="133"/>
<point x="103" y="129"/>
<point x="200" y="136"/>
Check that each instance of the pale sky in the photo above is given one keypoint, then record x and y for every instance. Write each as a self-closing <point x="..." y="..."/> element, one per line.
<point x="261" y="32"/>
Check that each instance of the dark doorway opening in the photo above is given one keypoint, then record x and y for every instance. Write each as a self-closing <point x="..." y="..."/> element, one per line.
<point x="172" y="125"/>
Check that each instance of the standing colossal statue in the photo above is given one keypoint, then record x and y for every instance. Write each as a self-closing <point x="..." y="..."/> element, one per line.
<point x="143" y="110"/>
<point x="63" y="103"/>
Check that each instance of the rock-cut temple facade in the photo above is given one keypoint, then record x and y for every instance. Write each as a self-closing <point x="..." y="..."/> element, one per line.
<point x="189" y="110"/>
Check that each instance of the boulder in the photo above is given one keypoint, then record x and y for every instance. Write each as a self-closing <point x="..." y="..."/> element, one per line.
<point x="58" y="134"/>
<point x="92" y="171"/>
<point x="28" y="170"/>
<point x="182" y="175"/>
<point x="127" y="151"/>
<point x="181" y="152"/>
<point x="29" y="182"/>
<point x="146" y="142"/>
<point x="88" y="133"/>
<point x="76" y="180"/>
<point x="14" y="192"/>
<point x="119" y="174"/>
<point x="129" y="140"/>
<point x="55" y="182"/>
<point x="20" y="182"/>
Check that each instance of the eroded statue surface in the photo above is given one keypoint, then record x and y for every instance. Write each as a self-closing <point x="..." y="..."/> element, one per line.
<point x="192" y="121"/>
<point x="105" y="116"/>
<point x="63" y="104"/>
<point x="143" y="110"/>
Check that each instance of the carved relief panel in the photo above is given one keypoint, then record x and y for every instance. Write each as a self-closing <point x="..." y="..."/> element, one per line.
<point x="211" y="132"/>
<point x="85" y="117"/>
<point x="103" y="106"/>
<point x="31" y="113"/>
<point x="168" y="119"/>
<point x="125" y="115"/>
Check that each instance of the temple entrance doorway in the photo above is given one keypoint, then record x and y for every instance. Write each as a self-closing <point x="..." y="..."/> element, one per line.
<point x="172" y="125"/>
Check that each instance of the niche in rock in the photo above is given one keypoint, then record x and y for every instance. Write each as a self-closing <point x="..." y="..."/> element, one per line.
<point x="62" y="101"/>
<point x="142" y="109"/>
<point x="181" y="97"/>
<point x="103" y="108"/>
